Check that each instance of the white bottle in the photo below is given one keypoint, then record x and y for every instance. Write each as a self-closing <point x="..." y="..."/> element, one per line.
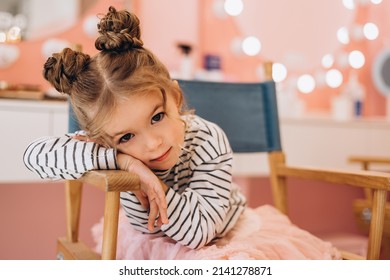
<point x="186" y="65"/>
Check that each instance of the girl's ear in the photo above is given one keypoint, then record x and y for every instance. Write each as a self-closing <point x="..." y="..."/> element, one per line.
<point x="177" y="94"/>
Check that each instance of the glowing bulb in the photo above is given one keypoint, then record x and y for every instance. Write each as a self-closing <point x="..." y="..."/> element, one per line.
<point x="342" y="35"/>
<point x="333" y="78"/>
<point x="327" y="60"/>
<point x="370" y="31"/>
<point x="306" y="83"/>
<point x="233" y="7"/>
<point x="349" y="4"/>
<point x="251" y="46"/>
<point x="14" y="34"/>
<point x="376" y="2"/>
<point x="279" y="72"/>
<point x="356" y="59"/>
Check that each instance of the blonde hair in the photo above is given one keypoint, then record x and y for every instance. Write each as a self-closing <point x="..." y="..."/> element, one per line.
<point x="122" y="68"/>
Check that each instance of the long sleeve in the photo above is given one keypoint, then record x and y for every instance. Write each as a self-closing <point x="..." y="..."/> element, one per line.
<point x="66" y="158"/>
<point x="199" y="213"/>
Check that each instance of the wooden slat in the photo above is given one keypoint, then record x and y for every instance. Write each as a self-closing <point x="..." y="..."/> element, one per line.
<point x="112" y="180"/>
<point x="110" y="229"/>
<point x="369" y="159"/>
<point x="376" y="226"/>
<point x="278" y="184"/>
<point x="73" y="191"/>
<point x="351" y="256"/>
<point x="363" y="179"/>
<point x="75" y="250"/>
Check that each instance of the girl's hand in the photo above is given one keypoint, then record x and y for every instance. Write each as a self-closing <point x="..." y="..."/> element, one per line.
<point x="152" y="193"/>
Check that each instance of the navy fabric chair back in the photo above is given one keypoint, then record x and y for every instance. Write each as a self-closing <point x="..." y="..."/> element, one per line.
<point x="73" y="124"/>
<point x="247" y="112"/>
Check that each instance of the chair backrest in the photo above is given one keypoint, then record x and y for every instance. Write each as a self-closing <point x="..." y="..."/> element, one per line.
<point x="73" y="124"/>
<point x="247" y="112"/>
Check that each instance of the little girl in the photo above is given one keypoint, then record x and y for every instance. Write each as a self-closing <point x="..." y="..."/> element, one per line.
<point x="132" y="117"/>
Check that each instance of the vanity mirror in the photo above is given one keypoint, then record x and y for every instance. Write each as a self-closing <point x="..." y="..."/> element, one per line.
<point x="35" y="19"/>
<point x="381" y="72"/>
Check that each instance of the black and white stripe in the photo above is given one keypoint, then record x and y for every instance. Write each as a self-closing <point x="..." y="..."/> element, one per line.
<point x="203" y="204"/>
<point x="66" y="158"/>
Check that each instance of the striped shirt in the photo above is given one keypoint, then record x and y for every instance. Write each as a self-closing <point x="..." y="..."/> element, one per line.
<point x="203" y="203"/>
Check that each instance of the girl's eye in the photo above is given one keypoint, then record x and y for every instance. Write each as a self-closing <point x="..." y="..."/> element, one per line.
<point x="126" y="138"/>
<point x="158" y="117"/>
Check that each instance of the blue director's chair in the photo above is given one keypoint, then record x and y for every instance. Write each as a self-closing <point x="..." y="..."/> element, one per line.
<point x="248" y="114"/>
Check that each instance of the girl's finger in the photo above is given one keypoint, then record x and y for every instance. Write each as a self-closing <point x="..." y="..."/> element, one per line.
<point x="152" y="214"/>
<point x="163" y="211"/>
<point x="159" y="222"/>
<point x="143" y="199"/>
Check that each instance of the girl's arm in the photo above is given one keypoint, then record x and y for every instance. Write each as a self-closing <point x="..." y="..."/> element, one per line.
<point x="67" y="158"/>
<point x="200" y="213"/>
<point x="208" y="206"/>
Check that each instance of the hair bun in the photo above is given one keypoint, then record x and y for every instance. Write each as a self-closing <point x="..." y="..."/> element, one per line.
<point x="119" y="31"/>
<point x="62" y="69"/>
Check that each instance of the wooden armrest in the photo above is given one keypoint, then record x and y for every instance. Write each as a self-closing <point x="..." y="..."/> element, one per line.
<point x="364" y="179"/>
<point x="378" y="181"/>
<point x="351" y="256"/>
<point x="369" y="159"/>
<point x="112" y="180"/>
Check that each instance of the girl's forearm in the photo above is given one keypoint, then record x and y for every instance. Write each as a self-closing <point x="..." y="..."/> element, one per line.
<point x="66" y="158"/>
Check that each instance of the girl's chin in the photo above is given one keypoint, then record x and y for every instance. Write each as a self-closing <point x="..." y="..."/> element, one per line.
<point x="162" y="167"/>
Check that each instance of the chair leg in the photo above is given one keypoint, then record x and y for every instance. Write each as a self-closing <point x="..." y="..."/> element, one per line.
<point x="110" y="230"/>
<point x="73" y="191"/>
<point x="377" y="223"/>
<point x="278" y="184"/>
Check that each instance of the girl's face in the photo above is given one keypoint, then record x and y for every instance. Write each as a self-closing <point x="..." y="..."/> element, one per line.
<point x="144" y="128"/>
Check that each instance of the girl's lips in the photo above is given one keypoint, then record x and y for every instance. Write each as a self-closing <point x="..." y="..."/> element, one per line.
<point x="163" y="157"/>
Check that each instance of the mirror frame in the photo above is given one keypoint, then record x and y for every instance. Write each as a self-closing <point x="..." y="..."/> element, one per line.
<point x="381" y="73"/>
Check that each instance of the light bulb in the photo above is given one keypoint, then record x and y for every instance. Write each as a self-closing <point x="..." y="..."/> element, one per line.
<point x="349" y="4"/>
<point x="370" y="31"/>
<point x="356" y="59"/>
<point x="327" y="61"/>
<point x="233" y="7"/>
<point x="342" y="35"/>
<point x="306" y="83"/>
<point x="333" y="78"/>
<point x="251" y="46"/>
<point x="279" y="72"/>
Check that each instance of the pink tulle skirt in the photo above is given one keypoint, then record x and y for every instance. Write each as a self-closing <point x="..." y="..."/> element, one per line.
<point x="262" y="233"/>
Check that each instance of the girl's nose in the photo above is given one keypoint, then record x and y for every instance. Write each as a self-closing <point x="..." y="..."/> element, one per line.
<point x="152" y="142"/>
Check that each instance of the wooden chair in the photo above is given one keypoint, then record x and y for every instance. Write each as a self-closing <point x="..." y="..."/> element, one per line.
<point x="363" y="207"/>
<point x="248" y="114"/>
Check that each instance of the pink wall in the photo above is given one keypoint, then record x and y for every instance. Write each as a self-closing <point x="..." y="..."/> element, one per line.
<point x="217" y="34"/>
<point x="165" y="23"/>
<point x="33" y="217"/>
